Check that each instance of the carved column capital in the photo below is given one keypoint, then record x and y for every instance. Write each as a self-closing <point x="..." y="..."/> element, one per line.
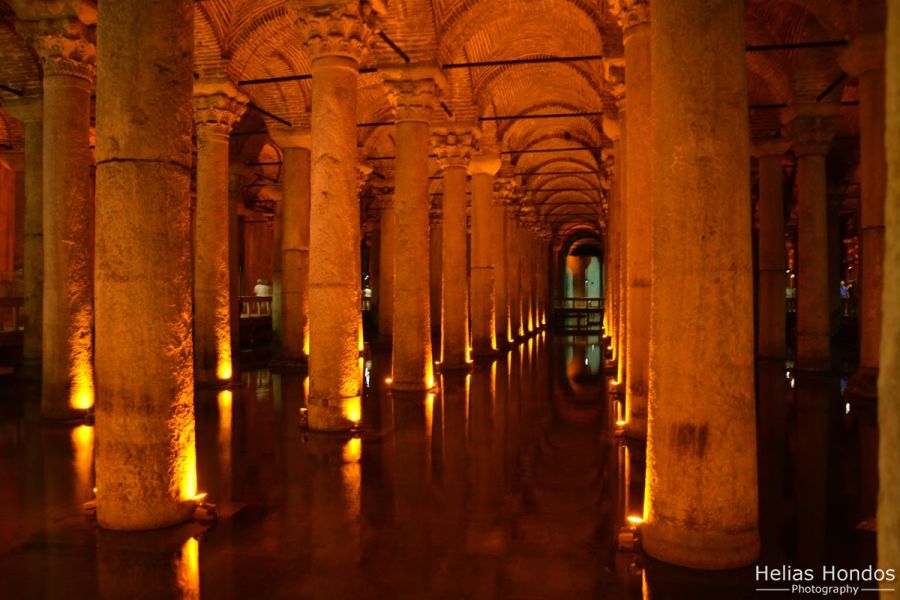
<point x="341" y="29"/>
<point x="66" y="46"/>
<point x="504" y="190"/>
<point x="435" y="216"/>
<point x="630" y="13"/>
<point x="413" y="90"/>
<point x="218" y="106"/>
<point x="812" y="128"/>
<point x="363" y="171"/>
<point x="453" y="145"/>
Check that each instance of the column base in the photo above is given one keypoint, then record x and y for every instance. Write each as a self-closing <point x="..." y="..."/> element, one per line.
<point x="332" y="418"/>
<point x="700" y="549"/>
<point x="863" y="384"/>
<point x="134" y="517"/>
<point x="410" y="386"/>
<point x="615" y="388"/>
<point x="636" y="428"/>
<point x="610" y="367"/>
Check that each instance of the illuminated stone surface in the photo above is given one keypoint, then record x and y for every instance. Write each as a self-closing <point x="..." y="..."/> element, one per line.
<point x="146" y="461"/>
<point x="483" y="168"/>
<point x="701" y="499"/>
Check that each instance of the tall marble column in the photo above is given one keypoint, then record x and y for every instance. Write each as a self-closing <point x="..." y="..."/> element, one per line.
<point x="336" y="37"/>
<point x="386" y="251"/>
<point x="525" y="268"/>
<point x="503" y="188"/>
<point x="512" y="270"/>
<point x="701" y="485"/>
<point x="413" y="91"/>
<point x="435" y="271"/>
<point x="772" y="251"/>
<point x="864" y="59"/>
<point x="453" y="147"/>
<point x="889" y="373"/>
<point x="812" y="130"/>
<point x="618" y="386"/>
<point x="614" y="256"/>
<point x="218" y="106"/>
<point x="145" y="458"/>
<point x="634" y="18"/>
<point x="66" y="48"/>
<point x="30" y="111"/>
<point x="295" y="143"/>
<point x="483" y="168"/>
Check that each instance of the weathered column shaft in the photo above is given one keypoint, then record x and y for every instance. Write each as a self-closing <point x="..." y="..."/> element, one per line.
<point x="772" y="255"/>
<point x="638" y="204"/>
<point x="813" y="131"/>
<point x="453" y="147"/>
<point x="335" y="37"/>
<point x="483" y="169"/>
<point x="889" y="373"/>
<point x="622" y="270"/>
<point x="386" y="269"/>
<point x="413" y="92"/>
<point x="145" y="396"/>
<point x="513" y="274"/>
<point x="218" y="105"/>
<point x="294" y="339"/>
<point x="864" y="58"/>
<point x="501" y="270"/>
<point x="435" y="269"/>
<point x="701" y="485"/>
<point x="67" y="53"/>
<point x="29" y="110"/>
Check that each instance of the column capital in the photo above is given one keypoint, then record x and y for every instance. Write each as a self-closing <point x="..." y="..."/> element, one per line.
<point x="772" y="147"/>
<point x="291" y="137"/>
<point x="453" y="144"/>
<point x="864" y="53"/>
<point x="813" y="127"/>
<point x="435" y="216"/>
<point x="363" y="171"/>
<point x="630" y="13"/>
<point x="413" y="90"/>
<point x="486" y="163"/>
<point x="27" y="109"/>
<point x="66" y="46"/>
<point x="218" y="106"/>
<point x="336" y="28"/>
<point x="504" y="190"/>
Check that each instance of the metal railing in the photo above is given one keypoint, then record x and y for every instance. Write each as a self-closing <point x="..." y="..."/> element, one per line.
<point x="256" y="306"/>
<point x="578" y="314"/>
<point x="12" y="316"/>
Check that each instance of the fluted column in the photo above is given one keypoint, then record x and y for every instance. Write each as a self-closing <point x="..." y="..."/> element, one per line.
<point x="772" y="251"/>
<point x="218" y="106"/>
<point x="386" y="251"/>
<point x="295" y="143"/>
<point x="701" y="485"/>
<point x="413" y="91"/>
<point x="66" y="48"/>
<point x="453" y="147"/>
<point x="30" y="111"/>
<point x="483" y="168"/>
<point x="889" y="373"/>
<point x="864" y="59"/>
<point x="812" y="130"/>
<point x="336" y="38"/>
<point x="634" y="18"/>
<point x="145" y="459"/>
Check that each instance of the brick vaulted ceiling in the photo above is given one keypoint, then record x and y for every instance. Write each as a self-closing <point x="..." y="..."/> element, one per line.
<point x="257" y="39"/>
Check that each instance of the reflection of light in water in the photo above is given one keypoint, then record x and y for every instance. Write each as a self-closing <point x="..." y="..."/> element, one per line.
<point x="635" y="519"/>
<point x="367" y="374"/>
<point x="224" y="399"/>
<point x="351" y="475"/>
<point x="352" y="450"/>
<point x="187" y="569"/>
<point x="645" y="589"/>
<point x="83" y="444"/>
<point x="305" y="389"/>
<point x="843" y="385"/>
<point x="468" y="396"/>
<point x="847" y="408"/>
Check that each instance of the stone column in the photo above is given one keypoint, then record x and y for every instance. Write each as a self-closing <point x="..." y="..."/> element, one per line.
<point x="622" y="270"/>
<point x="145" y="461"/>
<point x="453" y="147"/>
<point x="812" y="130"/>
<point x="772" y="251"/>
<point x="386" y="267"/>
<point x="435" y="271"/>
<point x="336" y="38"/>
<point x="66" y="48"/>
<point x="614" y="257"/>
<point x="864" y="59"/>
<point x="30" y="111"/>
<point x="483" y="168"/>
<point x="503" y="189"/>
<point x="218" y="106"/>
<point x="634" y="18"/>
<point x="413" y="91"/>
<point x="295" y="143"/>
<point x="512" y="267"/>
<point x="701" y="486"/>
<point x="525" y="268"/>
<point x="889" y="374"/>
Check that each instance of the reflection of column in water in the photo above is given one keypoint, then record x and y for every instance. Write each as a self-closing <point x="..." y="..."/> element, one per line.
<point x="83" y="445"/>
<point x="483" y="537"/>
<point x="225" y="401"/>
<point x="816" y="396"/>
<point x="772" y="446"/>
<point x="867" y="468"/>
<point x="513" y="409"/>
<point x="154" y="564"/>
<point x="501" y="395"/>
<point x="455" y="488"/>
<point x="187" y="569"/>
